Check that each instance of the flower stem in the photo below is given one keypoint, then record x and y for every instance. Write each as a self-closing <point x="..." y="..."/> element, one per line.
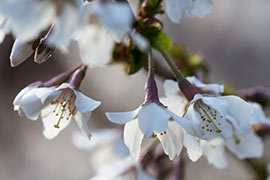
<point x="61" y="78"/>
<point x="151" y="92"/>
<point x="77" y="77"/>
<point x="169" y="61"/>
<point x="186" y="87"/>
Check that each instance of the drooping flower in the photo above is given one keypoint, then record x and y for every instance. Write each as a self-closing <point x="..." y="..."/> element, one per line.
<point x="58" y="105"/>
<point x="28" y="104"/>
<point x="177" y="104"/>
<point x="242" y="142"/>
<point x="152" y="119"/>
<point x="218" y="116"/>
<point x="122" y="170"/>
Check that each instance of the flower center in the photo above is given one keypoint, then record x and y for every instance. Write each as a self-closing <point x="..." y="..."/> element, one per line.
<point x="64" y="106"/>
<point x="210" y="118"/>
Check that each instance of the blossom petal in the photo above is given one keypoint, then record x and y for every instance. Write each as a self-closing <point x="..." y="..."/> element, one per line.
<point x="29" y="18"/>
<point x="117" y="17"/>
<point x="171" y="88"/>
<point x="81" y="119"/>
<point x="206" y="88"/>
<point x="250" y="146"/>
<point x="64" y="28"/>
<point x="20" y="95"/>
<point x="258" y="115"/>
<point x="95" y="45"/>
<point x="216" y="103"/>
<point x="175" y="9"/>
<point x="50" y="119"/>
<point x="236" y="107"/>
<point x="133" y="138"/>
<point x="84" y="103"/>
<point x="134" y="5"/>
<point x="20" y="52"/>
<point x="172" y="140"/>
<point x="122" y="117"/>
<point x="4" y="27"/>
<point x="46" y="94"/>
<point x="189" y="126"/>
<point x="215" y="154"/>
<point x="31" y="105"/>
<point x="153" y="119"/>
<point x="192" y="145"/>
<point x="176" y="104"/>
<point x="200" y="8"/>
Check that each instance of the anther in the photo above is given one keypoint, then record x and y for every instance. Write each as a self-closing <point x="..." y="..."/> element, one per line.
<point x="154" y="135"/>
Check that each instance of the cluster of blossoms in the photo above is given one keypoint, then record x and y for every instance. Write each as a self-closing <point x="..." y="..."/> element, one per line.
<point x="192" y="114"/>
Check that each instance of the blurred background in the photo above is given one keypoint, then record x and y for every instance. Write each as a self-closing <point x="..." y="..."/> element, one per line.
<point x="234" y="40"/>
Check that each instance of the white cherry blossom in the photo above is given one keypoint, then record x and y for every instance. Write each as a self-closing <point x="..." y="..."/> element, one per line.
<point x="57" y="105"/>
<point x="218" y="116"/>
<point x="153" y="120"/>
<point x="243" y="142"/>
<point x="177" y="103"/>
<point x="64" y="104"/>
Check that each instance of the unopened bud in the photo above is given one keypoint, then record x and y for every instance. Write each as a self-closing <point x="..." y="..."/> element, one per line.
<point x="20" y="52"/>
<point x="43" y="53"/>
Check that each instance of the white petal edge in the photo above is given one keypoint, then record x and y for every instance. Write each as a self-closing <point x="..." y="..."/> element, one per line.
<point x="172" y="141"/>
<point x="153" y="119"/>
<point x="133" y="138"/>
<point x="81" y="119"/>
<point x="250" y="146"/>
<point x="122" y="117"/>
<point x="192" y="146"/>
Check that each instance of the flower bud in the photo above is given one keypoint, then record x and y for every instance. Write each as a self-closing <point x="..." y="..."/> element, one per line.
<point x="20" y="52"/>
